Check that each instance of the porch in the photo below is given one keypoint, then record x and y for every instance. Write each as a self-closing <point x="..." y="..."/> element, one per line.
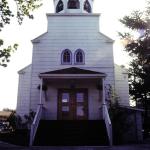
<point x="72" y="94"/>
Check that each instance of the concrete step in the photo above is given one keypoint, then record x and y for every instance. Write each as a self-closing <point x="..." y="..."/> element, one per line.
<point x="68" y="133"/>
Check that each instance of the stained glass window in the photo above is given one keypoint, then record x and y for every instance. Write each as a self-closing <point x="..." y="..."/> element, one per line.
<point x="66" y="57"/>
<point x="79" y="57"/>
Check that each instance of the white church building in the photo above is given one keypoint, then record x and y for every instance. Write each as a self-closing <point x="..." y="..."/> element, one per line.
<point x="72" y="75"/>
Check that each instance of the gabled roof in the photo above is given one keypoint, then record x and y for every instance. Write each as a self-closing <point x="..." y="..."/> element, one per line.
<point x="109" y="40"/>
<point x="23" y="70"/>
<point x="36" y="40"/>
<point x="73" y="70"/>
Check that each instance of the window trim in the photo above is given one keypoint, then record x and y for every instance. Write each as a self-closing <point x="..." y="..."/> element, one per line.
<point x="62" y="54"/>
<point x="83" y="55"/>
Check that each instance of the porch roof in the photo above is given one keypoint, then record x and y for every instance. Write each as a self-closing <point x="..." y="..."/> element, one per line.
<point x="72" y="72"/>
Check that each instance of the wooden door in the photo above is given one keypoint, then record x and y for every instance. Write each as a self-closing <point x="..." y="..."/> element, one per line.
<point x="72" y="104"/>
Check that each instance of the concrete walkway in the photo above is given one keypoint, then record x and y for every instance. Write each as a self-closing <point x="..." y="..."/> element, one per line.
<point x="5" y="146"/>
<point x="134" y="147"/>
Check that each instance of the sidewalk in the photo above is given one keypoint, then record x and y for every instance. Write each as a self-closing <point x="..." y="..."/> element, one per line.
<point x="133" y="147"/>
<point x="6" y="146"/>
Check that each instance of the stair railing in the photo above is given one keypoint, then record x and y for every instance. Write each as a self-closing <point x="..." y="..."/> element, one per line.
<point x="107" y="123"/>
<point x="35" y="124"/>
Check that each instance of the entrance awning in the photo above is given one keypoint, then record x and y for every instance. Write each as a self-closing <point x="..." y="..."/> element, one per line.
<point x="72" y="72"/>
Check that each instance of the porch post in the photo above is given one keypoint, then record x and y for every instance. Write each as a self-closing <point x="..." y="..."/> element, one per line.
<point x="41" y="85"/>
<point x="103" y="100"/>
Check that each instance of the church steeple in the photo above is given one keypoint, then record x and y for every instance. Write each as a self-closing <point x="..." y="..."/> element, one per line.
<point x="73" y="6"/>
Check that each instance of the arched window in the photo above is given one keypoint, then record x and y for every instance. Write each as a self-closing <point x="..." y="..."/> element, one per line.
<point x="66" y="57"/>
<point x="87" y="6"/>
<point x="79" y="57"/>
<point x="73" y="4"/>
<point x="60" y="6"/>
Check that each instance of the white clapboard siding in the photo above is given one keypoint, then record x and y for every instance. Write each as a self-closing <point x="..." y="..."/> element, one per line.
<point x="71" y="32"/>
<point x="23" y="100"/>
<point x="75" y="31"/>
<point x="121" y="85"/>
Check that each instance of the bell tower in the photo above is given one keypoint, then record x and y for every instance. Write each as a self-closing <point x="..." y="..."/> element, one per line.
<point x="73" y="6"/>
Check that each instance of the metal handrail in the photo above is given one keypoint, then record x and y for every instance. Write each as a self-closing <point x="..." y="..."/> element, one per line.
<point x="35" y="124"/>
<point x="107" y="123"/>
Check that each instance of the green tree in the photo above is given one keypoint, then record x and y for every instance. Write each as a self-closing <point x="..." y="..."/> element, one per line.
<point x="24" y="8"/>
<point x="138" y="48"/>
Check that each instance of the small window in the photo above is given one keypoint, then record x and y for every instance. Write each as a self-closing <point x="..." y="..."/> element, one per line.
<point x="60" y="6"/>
<point x="73" y="4"/>
<point x="66" y="57"/>
<point x="79" y="57"/>
<point x="87" y="6"/>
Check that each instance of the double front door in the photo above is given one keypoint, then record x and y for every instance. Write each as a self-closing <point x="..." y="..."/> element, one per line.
<point x="72" y="104"/>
